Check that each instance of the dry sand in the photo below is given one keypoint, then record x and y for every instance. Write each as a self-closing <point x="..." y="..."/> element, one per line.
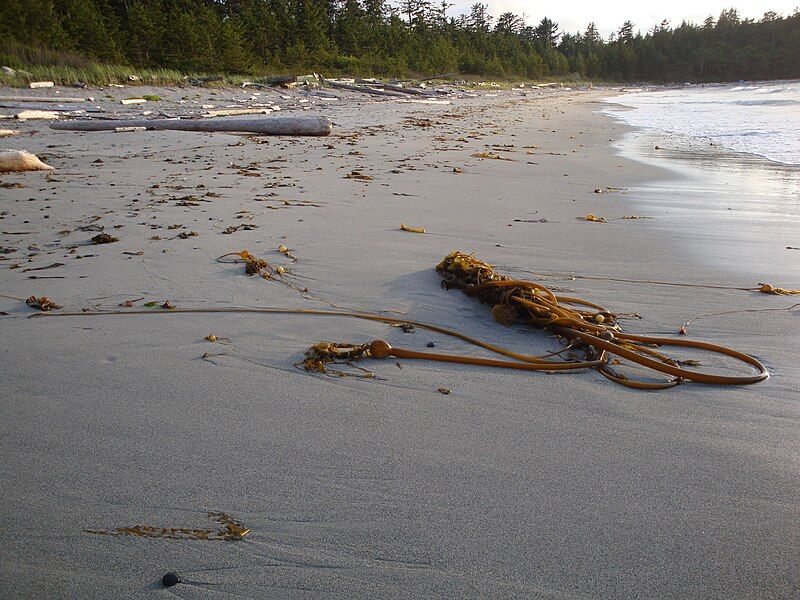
<point x="515" y="485"/>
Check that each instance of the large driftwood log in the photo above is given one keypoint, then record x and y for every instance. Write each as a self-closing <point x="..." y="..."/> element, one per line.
<point x="306" y="125"/>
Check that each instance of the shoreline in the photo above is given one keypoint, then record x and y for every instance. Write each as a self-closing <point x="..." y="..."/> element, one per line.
<point x="711" y="117"/>
<point x="512" y="485"/>
<point x="731" y="192"/>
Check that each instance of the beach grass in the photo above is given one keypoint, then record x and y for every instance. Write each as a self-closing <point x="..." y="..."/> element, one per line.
<point x="65" y="67"/>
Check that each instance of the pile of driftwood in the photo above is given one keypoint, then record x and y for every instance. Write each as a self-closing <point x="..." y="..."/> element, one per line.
<point x="379" y="88"/>
<point x="58" y="107"/>
<point x="373" y="87"/>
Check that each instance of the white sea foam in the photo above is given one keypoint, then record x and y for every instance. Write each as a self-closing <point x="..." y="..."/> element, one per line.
<point x="758" y="118"/>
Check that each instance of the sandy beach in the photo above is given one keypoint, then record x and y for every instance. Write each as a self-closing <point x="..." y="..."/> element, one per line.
<point x="514" y="485"/>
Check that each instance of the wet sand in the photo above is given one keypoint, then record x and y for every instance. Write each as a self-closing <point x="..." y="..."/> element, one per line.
<point x="514" y="485"/>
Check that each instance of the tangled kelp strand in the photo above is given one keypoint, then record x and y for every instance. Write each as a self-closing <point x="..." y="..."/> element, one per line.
<point x="586" y="327"/>
<point x="582" y="321"/>
<point x="322" y="354"/>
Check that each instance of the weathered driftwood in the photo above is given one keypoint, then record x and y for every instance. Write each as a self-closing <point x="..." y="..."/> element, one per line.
<point x="305" y="125"/>
<point x="403" y="90"/>
<point x="37" y="114"/>
<point x="64" y="100"/>
<point x="232" y="112"/>
<point x="62" y="108"/>
<point x="359" y="88"/>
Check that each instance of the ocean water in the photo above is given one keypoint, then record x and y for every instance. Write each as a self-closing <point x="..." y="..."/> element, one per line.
<point x="757" y="118"/>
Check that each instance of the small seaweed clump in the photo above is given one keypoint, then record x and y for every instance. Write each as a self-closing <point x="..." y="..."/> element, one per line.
<point x="256" y="266"/>
<point x="43" y="303"/>
<point x="104" y="238"/>
<point x="321" y="354"/>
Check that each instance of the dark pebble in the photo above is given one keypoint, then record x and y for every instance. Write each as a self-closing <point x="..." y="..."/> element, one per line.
<point x="431" y="345"/>
<point x="170" y="579"/>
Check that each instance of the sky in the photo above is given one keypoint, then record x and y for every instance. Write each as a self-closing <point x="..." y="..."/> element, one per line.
<point x="575" y="15"/>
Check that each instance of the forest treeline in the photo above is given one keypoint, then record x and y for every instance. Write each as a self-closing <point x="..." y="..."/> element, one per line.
<point x="376" y="37"/>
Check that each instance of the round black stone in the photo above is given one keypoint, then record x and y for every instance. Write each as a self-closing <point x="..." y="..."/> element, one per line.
<point x="170" y="579"/>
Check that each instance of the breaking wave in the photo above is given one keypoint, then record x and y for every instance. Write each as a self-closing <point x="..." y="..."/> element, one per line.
<point x="758" y="118"/>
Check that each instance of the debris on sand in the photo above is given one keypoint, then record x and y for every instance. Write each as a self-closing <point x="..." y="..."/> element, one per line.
<point x="358" y="175"/>
<point x="104" y="238"/>
<point x="490" y="155"/>
<point x="285" y="251"/>
<point x="592" y="217"/>
<point x="229" y="530"/>
<point x="43" y="303"/>
<point x="242" y="227"/>
<point x="766" y="288"/>
<point x="54" y="265"/>
<point x="404" y="227"/>
<point x="18" y="161"/>
<point x="129" y="303"/>
<point x="321" y="355"/>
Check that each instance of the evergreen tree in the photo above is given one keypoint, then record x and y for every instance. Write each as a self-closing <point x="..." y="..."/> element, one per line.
<point x="386" y="37"/>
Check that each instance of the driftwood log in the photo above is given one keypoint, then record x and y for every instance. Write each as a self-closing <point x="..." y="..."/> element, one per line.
<point x="306" y="125"/>
<point x="403" y="90"/>
<point x="360" y="88"/>
<point x="64" y="100"/>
